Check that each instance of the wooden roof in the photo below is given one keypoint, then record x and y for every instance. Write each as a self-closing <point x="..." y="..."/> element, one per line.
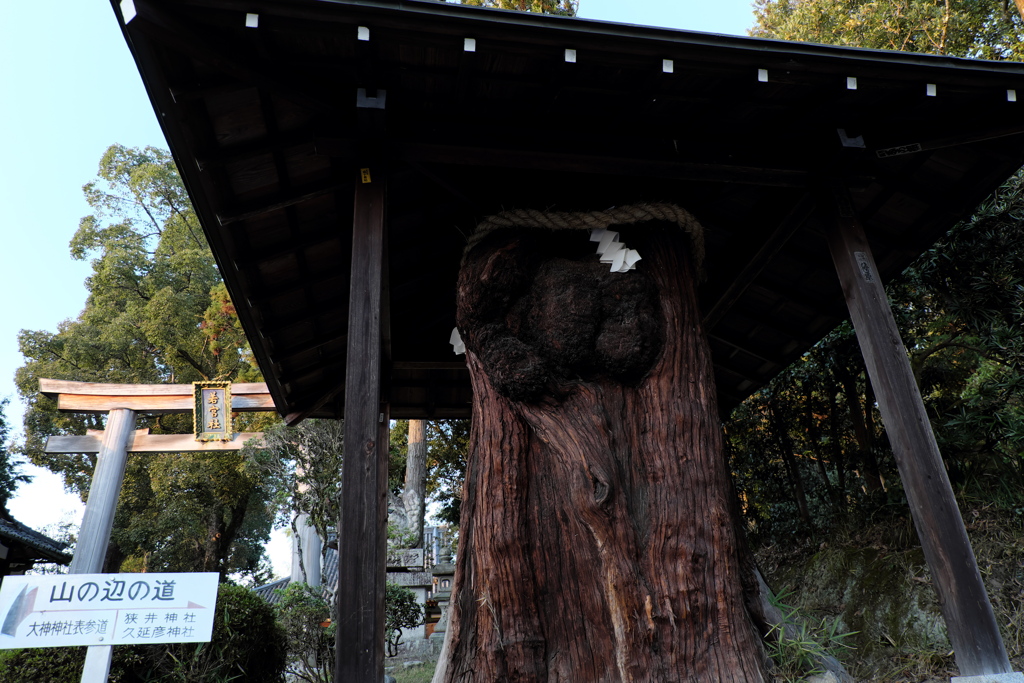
<point x="23" y="547"/>
<point x="550" y="113"/>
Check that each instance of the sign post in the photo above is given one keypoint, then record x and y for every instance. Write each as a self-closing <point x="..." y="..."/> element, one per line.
<point x="212" y="406"/>
<point x="107" y="609"/>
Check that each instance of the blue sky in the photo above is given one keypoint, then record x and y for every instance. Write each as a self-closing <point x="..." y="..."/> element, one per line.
<point x="69" y="89"/>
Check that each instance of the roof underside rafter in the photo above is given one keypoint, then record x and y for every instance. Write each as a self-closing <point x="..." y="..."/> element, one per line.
<point x="745" y="134"/>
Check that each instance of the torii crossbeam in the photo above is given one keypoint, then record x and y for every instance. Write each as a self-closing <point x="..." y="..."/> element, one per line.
<point x="121" y="403"/>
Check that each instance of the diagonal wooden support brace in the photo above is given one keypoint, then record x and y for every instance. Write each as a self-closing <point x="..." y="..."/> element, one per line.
<point x="965" y="605"/>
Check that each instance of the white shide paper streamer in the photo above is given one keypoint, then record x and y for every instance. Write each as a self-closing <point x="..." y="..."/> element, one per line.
<point x="456" y="341"/>
<point x="614" y="252"/>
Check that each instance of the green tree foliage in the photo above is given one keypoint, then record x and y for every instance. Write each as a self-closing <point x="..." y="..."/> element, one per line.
<point x="10" y="475"/>
<point x="400" y="611"/>
<point x="447" y="448"/>
<point x="157" y="312"/>
<point x="808" y="450"/>
<point x="962" y="309"/>
<point x="563" y="7"/>
<point x="984" y="29"/>
<point x="247" y="645"/>
<point x="307" y="621"/>
<point x="303" y="465"/>
<point x="305" y="618"/>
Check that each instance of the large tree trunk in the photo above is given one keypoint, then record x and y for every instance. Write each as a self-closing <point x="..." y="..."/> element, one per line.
<point x="414" y="497"/>
<point x="597" y="539"/>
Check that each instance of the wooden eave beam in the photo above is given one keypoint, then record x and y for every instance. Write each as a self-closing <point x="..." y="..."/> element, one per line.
<point x="416" y="153"/>
<point x="799" y="297"/>
<point x="300" y="283"/>
<point x="195" y="93"/>
<point x="765" y="321"/>
<point x="332" y="305"/>
<point x="416" y="412"/>
<point x="429" y="382"/>
<point x="580" y="163"/>
<point x="252" y="257"/>
<point x="317" y="395"/>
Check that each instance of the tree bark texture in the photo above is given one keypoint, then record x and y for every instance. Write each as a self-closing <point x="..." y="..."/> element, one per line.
<point x="414" y="498"/>
<point x="597" y="539"/>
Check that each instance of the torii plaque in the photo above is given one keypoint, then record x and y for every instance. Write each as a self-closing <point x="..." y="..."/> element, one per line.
<point x="212" y="404"/>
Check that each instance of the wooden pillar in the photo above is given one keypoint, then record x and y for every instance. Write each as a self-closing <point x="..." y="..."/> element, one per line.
<point x="98" y="520"/>
<point x="965" y="605"/>
<point x="362" y="529"/>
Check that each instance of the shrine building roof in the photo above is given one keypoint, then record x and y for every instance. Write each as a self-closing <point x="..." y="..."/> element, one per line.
<point x="272" y="107"/>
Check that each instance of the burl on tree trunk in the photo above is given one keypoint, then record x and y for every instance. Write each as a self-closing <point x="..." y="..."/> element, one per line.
<point x="597" y="539"/>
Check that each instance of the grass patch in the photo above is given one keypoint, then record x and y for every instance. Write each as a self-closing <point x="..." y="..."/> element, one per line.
<point x="415" y="674"/>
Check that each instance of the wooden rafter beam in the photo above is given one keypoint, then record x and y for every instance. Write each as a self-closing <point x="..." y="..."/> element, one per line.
<point x="222" y="54"/>
<point x="222" y="156"/>
<point x="280" y="200"/>
<point x="319" y="342"/>
<point x="767" y="321"/>
<point x="743" y="347"/>
<point x="769" y="249"/>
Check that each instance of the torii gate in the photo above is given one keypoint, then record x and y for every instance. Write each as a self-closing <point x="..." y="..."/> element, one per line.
<point x="212" y="404"/>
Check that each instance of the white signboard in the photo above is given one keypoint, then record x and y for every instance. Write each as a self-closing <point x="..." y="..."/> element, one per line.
<point x="106" y="609"/>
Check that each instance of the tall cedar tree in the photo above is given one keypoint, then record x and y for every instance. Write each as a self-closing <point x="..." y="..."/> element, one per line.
<point x="597" y="540"/>
<point x="157" y="312"/>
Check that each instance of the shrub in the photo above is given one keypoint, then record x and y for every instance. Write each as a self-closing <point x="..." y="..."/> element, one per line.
<point x="400" y="611"/>
<point x="305" y="617"/>
<point x="247" y="645"/>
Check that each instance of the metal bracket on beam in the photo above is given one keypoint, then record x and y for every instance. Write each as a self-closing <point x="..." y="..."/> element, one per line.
<point x="365" y="102"/>
<point x="127" y="11"/>
<point x="850" y="140"/>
